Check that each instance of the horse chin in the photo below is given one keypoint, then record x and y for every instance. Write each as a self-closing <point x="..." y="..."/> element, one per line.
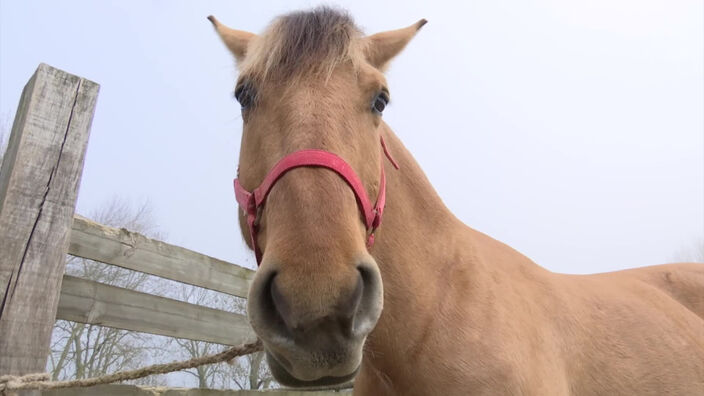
<point x="284" y="376"/>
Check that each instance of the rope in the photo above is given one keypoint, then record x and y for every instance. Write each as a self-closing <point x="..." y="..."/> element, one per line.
<point x="41" y="380"/>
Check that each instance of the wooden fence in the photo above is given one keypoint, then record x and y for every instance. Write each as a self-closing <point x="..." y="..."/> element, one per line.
<point x="96" y="303"/>
<point x="39" y="182"/>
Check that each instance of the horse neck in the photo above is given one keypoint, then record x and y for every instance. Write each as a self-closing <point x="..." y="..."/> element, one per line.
<point x="432" y="265"/>
<point x="419" y="238"/>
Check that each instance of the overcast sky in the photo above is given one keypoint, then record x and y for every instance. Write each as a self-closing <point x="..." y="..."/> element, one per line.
<point x="571" y="130"/>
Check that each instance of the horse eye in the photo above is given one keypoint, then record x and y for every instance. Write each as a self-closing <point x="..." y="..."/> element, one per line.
<point x="380" y="103"/>
<point x="244" y="93"/>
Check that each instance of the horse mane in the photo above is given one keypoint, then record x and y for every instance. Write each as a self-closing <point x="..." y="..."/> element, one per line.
<point x="301" y="44"/>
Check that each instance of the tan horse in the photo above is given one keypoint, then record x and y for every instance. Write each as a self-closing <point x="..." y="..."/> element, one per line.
<point x="462" y="313"/>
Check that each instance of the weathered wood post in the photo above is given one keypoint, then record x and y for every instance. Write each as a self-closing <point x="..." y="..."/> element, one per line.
<point x="39" y="182"/>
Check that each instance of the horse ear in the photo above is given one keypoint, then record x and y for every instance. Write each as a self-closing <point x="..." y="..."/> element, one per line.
<point x="382" y="47"/>
<point x="235" y="40"/>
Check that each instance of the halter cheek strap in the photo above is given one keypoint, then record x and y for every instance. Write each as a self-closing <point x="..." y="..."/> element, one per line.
<point x="252" y="202"/>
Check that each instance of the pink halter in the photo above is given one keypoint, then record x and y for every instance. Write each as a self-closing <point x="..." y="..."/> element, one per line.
<point x="251" y="202"/>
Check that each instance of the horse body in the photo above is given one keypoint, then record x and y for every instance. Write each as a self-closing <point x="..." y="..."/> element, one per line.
<point x="463" y="314"/>
<point x="466" y="314"/>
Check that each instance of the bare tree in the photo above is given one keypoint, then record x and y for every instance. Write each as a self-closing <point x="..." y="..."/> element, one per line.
<point x="209" y="376"/>
<point x="253" y="372"/>
<point x="83" y="350"/>
<point x="692" y="253"/>
<point x="246" y="372"/>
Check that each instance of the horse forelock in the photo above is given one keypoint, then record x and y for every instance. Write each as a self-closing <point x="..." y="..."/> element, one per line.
<point x="303" y="44"/>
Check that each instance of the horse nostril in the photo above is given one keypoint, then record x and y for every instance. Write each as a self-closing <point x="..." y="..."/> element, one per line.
<point x="370" y="300"/>
<point x="280" y="305"/>
<point x="348" y="310"/>
<point x="265" y="307"/>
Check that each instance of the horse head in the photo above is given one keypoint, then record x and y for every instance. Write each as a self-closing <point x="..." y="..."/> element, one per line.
<point x="312" y="85"/>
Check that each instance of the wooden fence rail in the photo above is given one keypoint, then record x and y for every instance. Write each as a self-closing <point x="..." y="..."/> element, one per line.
<point x="91" y="302"/>
<point x="121" y="247"/>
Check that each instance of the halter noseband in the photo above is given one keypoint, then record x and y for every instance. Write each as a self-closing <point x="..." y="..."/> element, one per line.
<point x="252" y="202"/>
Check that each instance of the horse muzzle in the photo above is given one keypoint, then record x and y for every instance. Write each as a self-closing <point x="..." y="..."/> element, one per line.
<point x="312" y="335"/>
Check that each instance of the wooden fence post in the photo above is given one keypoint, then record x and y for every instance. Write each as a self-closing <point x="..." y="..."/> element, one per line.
<point x="39" y="182"/>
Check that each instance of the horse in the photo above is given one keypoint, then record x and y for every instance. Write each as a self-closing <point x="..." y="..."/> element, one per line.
<point x="419" y="303"/>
